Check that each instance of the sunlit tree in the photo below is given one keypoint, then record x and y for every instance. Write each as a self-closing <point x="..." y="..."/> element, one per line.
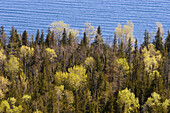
<point x="127" y="101"/>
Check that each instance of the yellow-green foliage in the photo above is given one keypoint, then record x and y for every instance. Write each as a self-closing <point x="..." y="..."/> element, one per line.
<point x="165" y="104"/>
<point x="37" y="111"/>
<point x="12" y="65"/>
<point x="89" y="62"/>
<point x="3" y="86"/>
<point x="26" y="51"/>
<point x="50" y="53"/>
<point x="75" y="78"/>
<point x="59" y="91"/>
<point x="151" y="58"/>
<point x="58" y="28"/>
<point x="123" y="65"/>
<point x="90" y="30"/>
<point x="9" y="106"/>
<point x="153" y="74"/>
<point x="154" y="103"/>
<point x="69" y="96"/>
<point x="26" y="98"/>
<point x="159" y="25"/>
<point x="5" y="104"/>
<point x="2" y="56"/>
<point x="127" y="100"/>
<point x="60" y="77"/>
<point x="125" y="32"/>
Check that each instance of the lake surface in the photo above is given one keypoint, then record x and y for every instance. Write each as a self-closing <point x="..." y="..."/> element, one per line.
<point x="38" y="14"/>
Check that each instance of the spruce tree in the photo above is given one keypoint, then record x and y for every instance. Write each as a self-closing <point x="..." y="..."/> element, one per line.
<point x="115" y="44"/>
<point x="146" y="39"/>
<point x="70" y="39"/>
<point x="25" y="38"/>
<point x="2" y="37"/>
<point x="14" y="42"/>
<point x="64" y="37"/>
<point x="158" y="41"/>
<point x="98" y="38"/>
<point x="121" y="53"/>
<point x="167" y="42"/>
<point x="48" y="40"/>
<point x="42" y="38"/>
<point x="85" y="41"/>
<point x="37" y="38"/>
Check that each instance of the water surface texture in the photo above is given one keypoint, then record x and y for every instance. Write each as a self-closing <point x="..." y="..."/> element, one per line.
<point x="38" y="14"/>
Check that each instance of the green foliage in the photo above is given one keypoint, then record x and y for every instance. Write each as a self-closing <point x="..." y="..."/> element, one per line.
<point x="41" y="77"/>
<point x="158" y="40"/>
<point x="25" y="38"/>
<point x="154" y="74"/>
<point x="89" y="62"/>
<point x="98" y="38"/>
<point x="154" y="104"/>
<point x="151" y="58"/>
<point x="4" y="82"/>
<point x="8" y="106"/>
<point x="50" y="53"/>
<point x="123" y="65"/>
<point x="13" y="64"/>
<point x="37" y="111"/>
<point x="26" y="98"/>
<point x="2" y="56"/>
<point x="26" y="52"/>
<point x="127" y="101"/>
<point x="76" y="78"/>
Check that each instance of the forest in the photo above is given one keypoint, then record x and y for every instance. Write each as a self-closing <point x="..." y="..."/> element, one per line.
<point x="61" y="73"/>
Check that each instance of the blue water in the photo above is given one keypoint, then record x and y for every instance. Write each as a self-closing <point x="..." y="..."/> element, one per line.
<point x="38" y="14"/>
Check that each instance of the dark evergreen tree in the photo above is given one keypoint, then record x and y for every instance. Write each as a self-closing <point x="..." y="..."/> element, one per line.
<point x="115" y="44"/>
<point x="64" y="39"/>
<point x="167" y="42"/>
<point x="25" y="38"/>
<point x="14" y="42"/>
<point x="84" y="41"/>
<point x="71" y="40"/>
<point x="2" y="37"/>
<point x="158" y="41"/>
<point x="146" y="39"/>
<point x="37" y="38"/>
<point x="121" y="53"/>
<point x="98" y="38"/>
<point x="42" y="38"/>
<point x="48" y="40"/>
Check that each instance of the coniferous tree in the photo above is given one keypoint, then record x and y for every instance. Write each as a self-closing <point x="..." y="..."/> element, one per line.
<point x="121" y="53"/>
<point x="2" y="37"/>
<point x="146" y="39"/>
<point x="25" y="38"/>
<point x="42" y="38"/>
<point x="14" y="42"/>
<point x="84" y="41"/>
<point x="71" y="40"/>
<point x="64" y="39"/>
<point x="37" y="38"/>
<point x="98" y="38"/>
<point x="167" y="42"/>
<point x="48" y="39"/>
<point x="115" y="44"/>
<point x="158" y="41"/>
